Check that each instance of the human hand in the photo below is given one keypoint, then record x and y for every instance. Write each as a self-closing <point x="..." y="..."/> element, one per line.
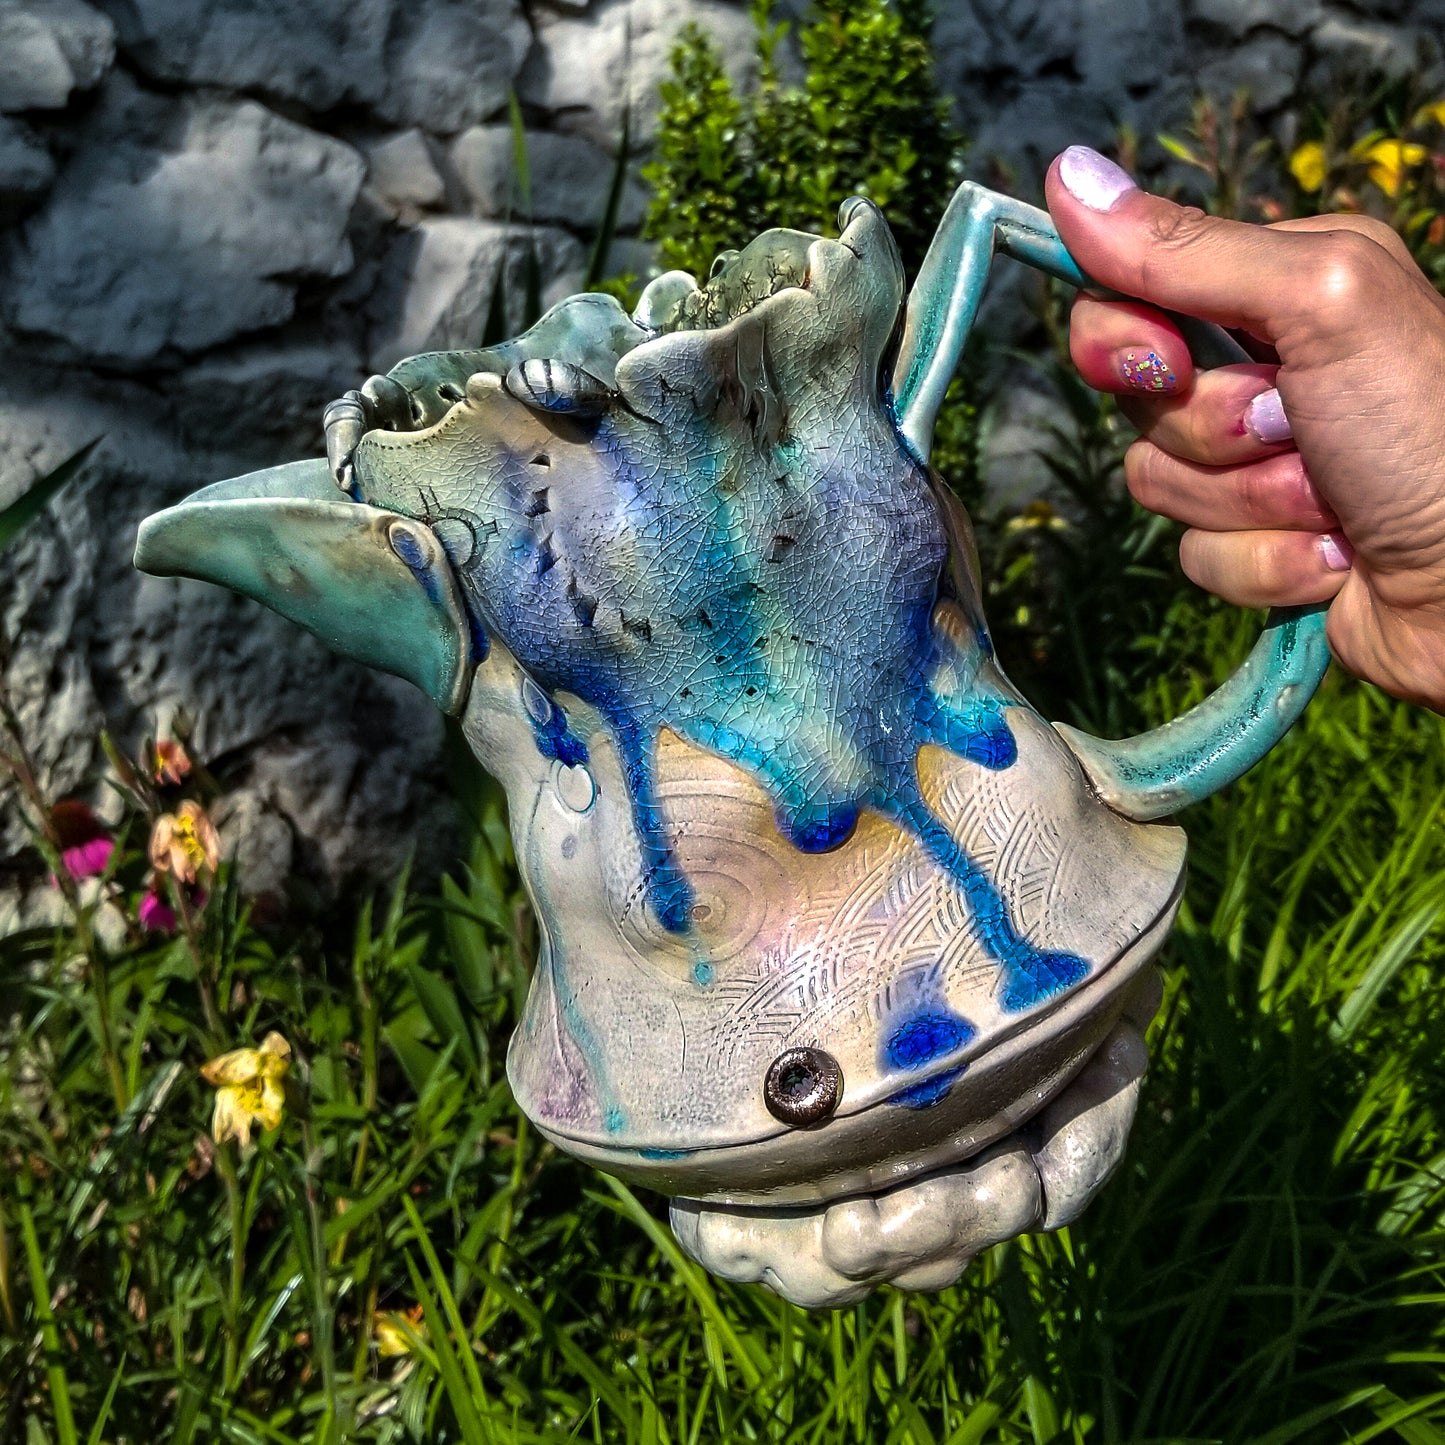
<point x="1316" y="474"/>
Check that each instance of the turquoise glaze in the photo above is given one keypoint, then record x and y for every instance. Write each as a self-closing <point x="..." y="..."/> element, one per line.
<point x="689" y="580"/>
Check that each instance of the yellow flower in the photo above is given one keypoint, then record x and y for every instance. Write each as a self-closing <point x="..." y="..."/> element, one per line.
<point x="396" y="1333"/>
<point x="249" y="1084"/>
<point x="1308" y="165"/>
<point x="185" y="843"/>
<point x="1435" y="111"/>
<point x="1036" y="516"/>
<point x="1389" y="160"/>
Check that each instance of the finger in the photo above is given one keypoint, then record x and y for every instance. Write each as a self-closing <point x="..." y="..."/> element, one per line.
<point x="1266" y="568"/>
<point x="1266" y="281"/>
<point x="1385" y="236"/>
<point x="1381" y="234"/>
<point x="1227" y="417"/>
<point x="1274" y="494"/>
<point x="1125" y="347"/>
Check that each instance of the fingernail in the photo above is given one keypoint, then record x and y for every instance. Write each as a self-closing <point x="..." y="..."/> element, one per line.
<point x="1336" y="552"/>
<point x="1093" y="180"/>
<point x="1146" y="371"/>
<point x="1265" y="420"/>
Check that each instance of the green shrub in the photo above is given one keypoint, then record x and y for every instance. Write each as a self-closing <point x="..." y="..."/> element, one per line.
<point x="866" y="120"/>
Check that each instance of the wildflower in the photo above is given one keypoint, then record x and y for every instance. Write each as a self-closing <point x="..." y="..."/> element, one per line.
<point x="1435" y="112"/>
<point x="85" y="846"/>
<point x="1038" y="515"/>
<point x="397" y="1333"/>
<point x="170" y="763"/>
<point x="249" y="1084"/>
<point x="185" y="843"/>
<point x="1308" y="165"/>
<point x="155" y="914"/>
<point x="1389" y="160"/>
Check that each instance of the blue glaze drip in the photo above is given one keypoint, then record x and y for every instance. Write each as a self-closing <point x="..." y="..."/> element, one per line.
<point x="1030" y="975"/>
<point x="556" y="740"/>
<point x="915" y="1043"/>
<point x="481" y="644"/>
<point x="929" y="1092"/>
<point x="770" y="601"/>
<point x="814" y="829"/>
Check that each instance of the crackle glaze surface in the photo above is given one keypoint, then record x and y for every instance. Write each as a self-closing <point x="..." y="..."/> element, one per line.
<point x="704" y="609"/>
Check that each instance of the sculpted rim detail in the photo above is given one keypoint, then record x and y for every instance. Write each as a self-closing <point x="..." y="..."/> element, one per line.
<point x="828" y="914"/>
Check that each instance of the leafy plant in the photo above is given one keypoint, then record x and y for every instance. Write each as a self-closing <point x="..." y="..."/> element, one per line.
<point x="867" y="119"/>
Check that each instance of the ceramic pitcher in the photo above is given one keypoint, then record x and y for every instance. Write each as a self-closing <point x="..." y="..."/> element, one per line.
<point x="843" y="945"/>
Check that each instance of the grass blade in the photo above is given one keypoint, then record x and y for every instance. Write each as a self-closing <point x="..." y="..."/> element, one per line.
<point x="34" y="500"/>
<point x="49" y="1334"/>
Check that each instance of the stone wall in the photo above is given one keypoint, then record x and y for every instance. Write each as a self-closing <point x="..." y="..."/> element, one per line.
<point x="216" y="215"/>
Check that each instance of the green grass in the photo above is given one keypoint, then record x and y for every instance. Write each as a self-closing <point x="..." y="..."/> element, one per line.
<point x="1268" y="1265"/>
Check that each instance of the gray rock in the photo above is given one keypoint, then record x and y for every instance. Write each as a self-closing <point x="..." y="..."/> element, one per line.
<point x="258" y="837"/>
<point x="442" y="65"/>
<point x="25" y="166"/>
<point x="595" y="67"/>
<point x="1129" y="43"/>
<point x="1030" y="127"/>
<point x="262" y="400"/>
<point x="483" y="159"/>
<point x="441" y="276"/>
<point x="1238" y="17"/>
<point x="319" y="53"/>
<point x="400" y="173"/>
<point x="94" y="644"/>
<point x="452" y="63"/>
<point x="980" y="50"/>
<point x="1346" y="49"/>
<point x="144" y="252"/>
<point x="569" y="178"/>
<point x="1266" y="66"/>
<point x="48" y="49"/>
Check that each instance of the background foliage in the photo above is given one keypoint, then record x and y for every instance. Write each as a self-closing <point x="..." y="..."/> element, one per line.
<point x="403" y="1260"/>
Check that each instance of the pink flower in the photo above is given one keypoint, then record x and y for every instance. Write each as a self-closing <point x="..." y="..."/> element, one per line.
<point x="88" y="860"/>
<point x="155" y="914"/>
<point x="85" y="846"/>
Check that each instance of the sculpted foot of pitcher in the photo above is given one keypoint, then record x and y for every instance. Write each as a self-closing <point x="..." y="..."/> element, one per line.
<point x="842" y="945"/>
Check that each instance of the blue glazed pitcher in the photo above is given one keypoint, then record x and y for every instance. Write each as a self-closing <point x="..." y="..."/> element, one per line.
<point x="843" y="946"/>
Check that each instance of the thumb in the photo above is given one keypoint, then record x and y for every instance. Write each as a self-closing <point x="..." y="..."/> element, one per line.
<point x="1234" y="274"/>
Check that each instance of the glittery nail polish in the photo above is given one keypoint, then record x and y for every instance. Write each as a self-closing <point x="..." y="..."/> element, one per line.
<point x="1146" y="371"/>
<point x="1336" y="552"/>
<point x="1092" y="179"/>
<point x="1265" y="420"/>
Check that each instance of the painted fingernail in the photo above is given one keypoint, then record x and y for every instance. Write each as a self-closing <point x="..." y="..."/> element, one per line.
<point x="1265" y="420"/>
<point x="1146" y="371"/>
<point x="1093" y="180"/>
<point x="1336" y="552"/>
